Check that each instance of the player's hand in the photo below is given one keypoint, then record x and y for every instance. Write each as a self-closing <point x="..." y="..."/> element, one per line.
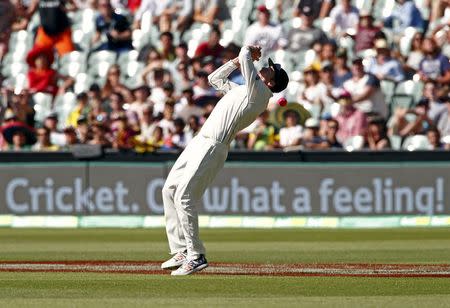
<point x="255" y="52"/>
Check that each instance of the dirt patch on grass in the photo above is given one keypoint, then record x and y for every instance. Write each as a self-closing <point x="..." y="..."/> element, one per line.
<point x="137" y="267"/>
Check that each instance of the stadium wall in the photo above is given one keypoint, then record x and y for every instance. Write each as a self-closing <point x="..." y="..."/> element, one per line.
<point x="305" y="189"/>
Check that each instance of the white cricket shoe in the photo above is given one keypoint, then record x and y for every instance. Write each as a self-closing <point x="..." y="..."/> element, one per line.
<point x="175" y="262"/>
<point x="191" y="266"/>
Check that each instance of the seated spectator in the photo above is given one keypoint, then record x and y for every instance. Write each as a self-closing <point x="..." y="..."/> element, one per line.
<point x="314" y="91"/>
<point x="415" y="55"/>
<point x="43" y="143"/>
<point x="181" y="53"/>
<point x="71" y="138"/>
<point x="19" y="142"/>
<point x="341" y="71"/>
<point x="405" y="14"/>
<point x="331" y="134"/>
<point x="166" y="48"/>
<point x="54" y="30"/>
<point x="97" y="111"/>
<point x="435" y="66"/>
<point x="115" y="105"/>
<point x="263" y="135"/>
<point x="113" y="31"/>
<point x="187" y="106"/>
<point x="147" y="123"/>
<point x="182" y="77"/>
<point x="377" y="138"/>
<point x="166" y="123"/>
<point x="8" y="14"/>
<point x="202" y="86"/>
<point x="303" y="37"/>
<point x="329" y="91"/>
<point x="408" y="122"/>
<point x="135" y="110"/>
<point x="23" y="110"/>
<point x="212" y="46"/>
<point x="122" y="134"/>
<point x="344" y="19"/>
<point x="99" y="135"/>
<point x="210" y="11"/>
<point x="291" y="133"/>
<point x="83" y="130"/>
<point x="193" y="127"/>
<point x="179" y="138"/>
<point x="365" y="90"/>
<point x="383" y="66"/>
<point x="56" y="136"/>
<point x="153" y="61"/>
<point x="81" y="109"/>
<point x="114" y="84"/>
<point x="41" y="77"/>
<point x="443" y="123"/>
<point x="263" y="33"/>
<point x="317" y="8"/>
<point x="153" y="7"/>
<point x="435" y="104"/>
<point x="352" y="121"/>
<point x="158" y="95"/>
<point x="434" y="138"/>
<point x="311" y="138"/>
<point x="366" y="33"/>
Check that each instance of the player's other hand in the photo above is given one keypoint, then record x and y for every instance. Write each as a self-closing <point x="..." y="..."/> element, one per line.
<point x="255" y="52"/>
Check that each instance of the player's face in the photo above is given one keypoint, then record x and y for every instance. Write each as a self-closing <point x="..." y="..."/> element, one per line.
<point x="267" y="74"/>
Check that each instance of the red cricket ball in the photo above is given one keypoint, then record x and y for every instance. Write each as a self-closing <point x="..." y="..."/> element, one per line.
<point x="282" y="102"/>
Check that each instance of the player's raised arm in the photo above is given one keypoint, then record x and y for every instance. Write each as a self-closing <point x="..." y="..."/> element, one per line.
<point x="219" y="78"/>
<point x="246" y="57"/>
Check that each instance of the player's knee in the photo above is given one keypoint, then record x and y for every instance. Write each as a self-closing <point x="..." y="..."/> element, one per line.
<point x="167" y="192"/>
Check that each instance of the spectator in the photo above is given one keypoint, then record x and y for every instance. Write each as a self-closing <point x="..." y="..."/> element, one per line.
<point x="83" y="130"/>
<point x="81" y="109"/>
<point x="43" y="143"/>
<point x="99" y="135"/>
<point x="303" y="37"/>
<point x="166" y="123"/>
<point x="187" y="106"/>
<point x="263" y="33"/>
<point x="179" y="138"/>
<point x="54" y="30"/>
<point x="263" y="135"/>
<point x="135" y="110"/>
<point x="366" y="33"/>
<point x="408" y="122"/>
<point x="383" y="66"/>
<point x="56" y="137"/>
<point x="113" y="84"/>
<point x="23" y="110"/>
<point x="443" y="123"/>
<point x="202" y="86"/>
<point x="70" y="135"/>
<point x="292" y="132"/>
<point x="311" y="137"/>
<point x="147" y="124"/>
<point x="415" y="55"/>
<point x="19" y="142"/>
<point x="158" y="96"/>
<point x="193" y="127"/>
<point x="352" y="121"/>
<point x="341" y="71"/>
<point x="181" y="53"/>
<point x="182" y="77"/>
<point x="344" y="19"/>
<point x="434" y="139"/>
<point x="210" y="11"/>
<point x="435" y="66"/>
<point x="406" y="14"/>
<point x="122" y="134"/>
<point x="8" y="14"/>
<point x="116" y="105"/>
<point x="435" y="106"/>
<point x="153" y="7"/>
<point x="112" y="30"/>
<point x="377" y="138"/>
<point x="314" y="91"/>
<point x="316" y="8"/>
<point x="365" y="90"/>
<point x="331" y="134"/>
<point x="329" y="91"/>
<point x="97" y="112"/>
<point x="212" y="46"/>
<point x="166" y="47"/>
<point x="41" y="77"/>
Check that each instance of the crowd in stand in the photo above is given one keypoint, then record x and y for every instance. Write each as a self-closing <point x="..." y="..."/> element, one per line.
<point x="133" y="75"/>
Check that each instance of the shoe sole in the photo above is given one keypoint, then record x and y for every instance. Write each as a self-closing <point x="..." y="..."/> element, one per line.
<point x="197" y="269"/>
<point x="171" y="268"/>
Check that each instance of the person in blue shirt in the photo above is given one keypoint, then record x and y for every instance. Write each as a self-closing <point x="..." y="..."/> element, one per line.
<point x="405" y="14"/>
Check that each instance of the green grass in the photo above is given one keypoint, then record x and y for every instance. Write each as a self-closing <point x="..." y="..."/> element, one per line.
<point x="225" y="245"/>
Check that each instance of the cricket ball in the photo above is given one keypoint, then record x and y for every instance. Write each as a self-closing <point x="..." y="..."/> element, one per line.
<point x="282" y="102"/>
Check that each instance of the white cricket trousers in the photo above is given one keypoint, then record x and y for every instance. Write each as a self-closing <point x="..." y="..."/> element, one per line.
<point x="194" y="170"/>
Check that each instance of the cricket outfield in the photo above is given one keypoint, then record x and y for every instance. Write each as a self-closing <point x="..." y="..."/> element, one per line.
<point x="287" y="267"/>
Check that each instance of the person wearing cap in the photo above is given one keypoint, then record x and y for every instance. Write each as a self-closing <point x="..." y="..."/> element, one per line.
<point x="306" y="35"/>
<point x="311" y="137"/>
<point x="205" y="155"/>
<point x="352" y="122"/>
<point x="262" y="32"/>
<point x="317" y="8"/>
<point x="383" y="66"/>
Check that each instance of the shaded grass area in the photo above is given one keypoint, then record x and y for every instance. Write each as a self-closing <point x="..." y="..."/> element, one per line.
<point x="233" y="245"/>
<point x="77" y="289"/>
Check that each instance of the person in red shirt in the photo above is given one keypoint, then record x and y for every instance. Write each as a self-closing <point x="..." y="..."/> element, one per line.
<point x="212" y="46"/>
<point x="366" y="33"/>
<point x="352" y="122"/>
<point x="41" y="77"/>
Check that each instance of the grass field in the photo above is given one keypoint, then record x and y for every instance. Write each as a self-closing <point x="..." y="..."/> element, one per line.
<point x="387" y="246"/>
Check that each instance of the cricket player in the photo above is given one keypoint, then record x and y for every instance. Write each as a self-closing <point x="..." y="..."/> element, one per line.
<point x="205" y="155"/>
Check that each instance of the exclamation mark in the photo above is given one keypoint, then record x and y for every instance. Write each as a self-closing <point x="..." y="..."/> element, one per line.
<point x="439" y="195"/>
